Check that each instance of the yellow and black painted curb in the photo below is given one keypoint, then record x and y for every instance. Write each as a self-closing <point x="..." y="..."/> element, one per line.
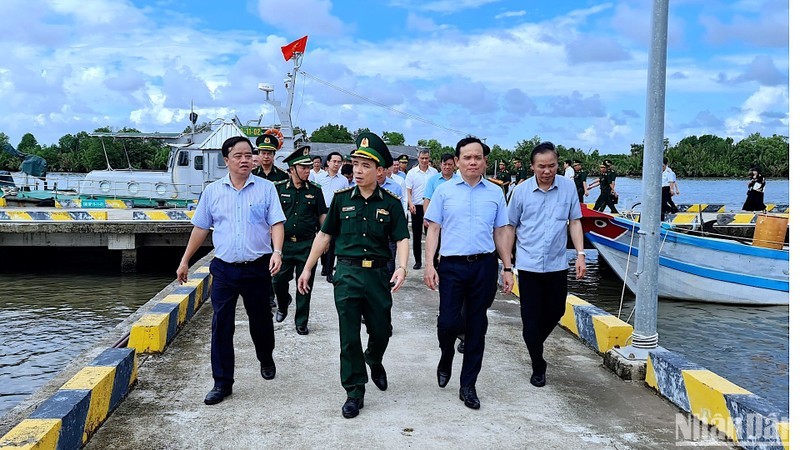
<point x="68" y="418"/>
<point x="28" y="215"/>
<point x="747" y="419"/>
<point x="596" y="327"/>
<point x="157" y="327"/>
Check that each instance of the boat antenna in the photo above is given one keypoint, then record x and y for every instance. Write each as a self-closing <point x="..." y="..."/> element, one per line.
<point x="105" y="153"/>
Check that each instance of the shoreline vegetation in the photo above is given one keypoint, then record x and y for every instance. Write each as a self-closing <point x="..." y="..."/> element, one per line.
<point x="694" y="156"/>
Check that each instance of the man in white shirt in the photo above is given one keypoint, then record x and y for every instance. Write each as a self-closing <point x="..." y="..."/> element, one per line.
<point x="416" y="180"/>
<point x="669" y="187"/>
<point x="316" y="169"/>
<point x="330" y="182"/>
<point x="569" y="172"/>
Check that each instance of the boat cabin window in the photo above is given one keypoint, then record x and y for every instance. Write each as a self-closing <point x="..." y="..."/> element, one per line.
<point x="183" y="158"/>
<point x="198" y="162"/>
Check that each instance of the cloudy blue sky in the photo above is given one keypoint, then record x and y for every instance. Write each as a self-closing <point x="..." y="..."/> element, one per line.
<point x="573" y="71"/>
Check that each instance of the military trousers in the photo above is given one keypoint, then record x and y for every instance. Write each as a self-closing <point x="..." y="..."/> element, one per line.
<point x="295" y="255"/>
<point x="361" y="291"/>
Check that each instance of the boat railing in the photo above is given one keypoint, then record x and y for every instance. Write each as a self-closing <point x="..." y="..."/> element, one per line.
<point x="150" y="190"/>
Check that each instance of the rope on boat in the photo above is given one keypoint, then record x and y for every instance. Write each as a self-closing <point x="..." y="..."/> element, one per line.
<point x="625" y="280"/>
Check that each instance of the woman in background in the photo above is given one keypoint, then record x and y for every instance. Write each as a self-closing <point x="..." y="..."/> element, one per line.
<point x="755" y="191"/>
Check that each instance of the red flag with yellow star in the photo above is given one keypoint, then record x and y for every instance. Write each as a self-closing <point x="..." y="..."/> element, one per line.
<point x="298" y="46"/>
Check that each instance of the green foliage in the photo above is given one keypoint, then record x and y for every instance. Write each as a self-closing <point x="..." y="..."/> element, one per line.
<point x="7" y="161"/>
<point x="333" y="134"/>
<point x="393" y="138"/>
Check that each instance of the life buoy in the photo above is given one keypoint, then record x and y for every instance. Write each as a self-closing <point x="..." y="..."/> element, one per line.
<point x="277" y="133"/>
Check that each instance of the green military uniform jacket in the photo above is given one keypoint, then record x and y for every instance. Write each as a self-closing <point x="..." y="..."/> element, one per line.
<point x="363" y="227"/>
<point x="580" y="177"/>
<point x="522" y="174"/>
<point x="302" y="208"/>
<point x="504" y="176"/>
<point x="276" y="174"/>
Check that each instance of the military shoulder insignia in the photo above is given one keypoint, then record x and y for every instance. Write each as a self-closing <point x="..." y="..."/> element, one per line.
<point x="344" y="190"/>
<point x="391" y="193"/>
<point x="314" y="183"/>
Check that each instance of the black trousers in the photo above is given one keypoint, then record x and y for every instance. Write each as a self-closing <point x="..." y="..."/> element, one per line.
<point x="470" y="286"/>
<point x="580" y="195"/>
<point x="416" y="230"/>
<point x="667" y="205"/>
<point x="603" y="200"/>
<point x="254" y="284"/>
<point x="542" y="300"/>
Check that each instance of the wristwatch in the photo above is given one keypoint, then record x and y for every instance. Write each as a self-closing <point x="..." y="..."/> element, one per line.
<point x="582" y="253"/>
<point x="278" y="252"/>
<point x="506" y="269"/>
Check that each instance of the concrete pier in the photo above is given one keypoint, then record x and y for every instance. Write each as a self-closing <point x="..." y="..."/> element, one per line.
<point x="582" y="406"/>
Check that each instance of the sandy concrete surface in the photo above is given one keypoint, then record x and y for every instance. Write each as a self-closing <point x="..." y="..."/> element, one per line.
<point x="582" y="406"/>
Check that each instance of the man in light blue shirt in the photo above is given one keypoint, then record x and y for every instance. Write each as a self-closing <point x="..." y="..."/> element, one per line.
<point x="472" y="216"/>
<point x="247" y="218"/>
<point x="541" y="210"/>
<point x="448" y="166"/>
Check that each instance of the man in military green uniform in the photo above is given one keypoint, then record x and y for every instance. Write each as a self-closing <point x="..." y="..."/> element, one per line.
<point x="267" y="145"/>
<point x="520" y="171"/>
<point x="363" y="220"/>
<point x="503" y="176"/>
<point x="304" y="208"/>
<point x="580" y="180"/>
<point x="607" y="182"/>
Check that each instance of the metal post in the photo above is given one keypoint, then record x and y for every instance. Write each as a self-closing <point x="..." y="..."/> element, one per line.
<point x="645" y="335"/>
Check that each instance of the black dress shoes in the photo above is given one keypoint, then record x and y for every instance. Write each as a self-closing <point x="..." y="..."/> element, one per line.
<point x="417" y="266"/>
<point x="443" y="376"/>
<point x="268" y="372"/>
<point x="460" y="347"/>
<point x="379" y="376"/>
<point x="302" y="330"/>
<point x="279" y="316"/>
<point x="468" y="395"/>
<point x="538" y="380"/>
<point x="217" y="395"/>
<point x="351" y="407"/>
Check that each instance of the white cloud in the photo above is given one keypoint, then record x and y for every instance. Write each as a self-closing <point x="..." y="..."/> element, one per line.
<point x="442" y="6"/>
<point x="301" y="16"/>
<point x="510" y="14"/>
<point x="764" y="100"/>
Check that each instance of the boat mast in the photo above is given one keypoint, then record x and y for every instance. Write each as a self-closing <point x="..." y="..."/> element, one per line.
<point x="285" y="113"/>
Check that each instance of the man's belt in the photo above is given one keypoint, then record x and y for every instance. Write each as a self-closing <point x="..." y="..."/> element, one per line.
<point x="467" y="258"/>
<point x="296" y="238"/>
<point x="259" y="260"/>
<point x="367" y="263"/>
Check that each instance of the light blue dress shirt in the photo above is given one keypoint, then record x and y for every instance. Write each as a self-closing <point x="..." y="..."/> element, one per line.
<point x="436" y="181"/>
<point x="468" y="216"/>
<point x="392" y="186"/>
<point x="241" y="218"/>
<point x="541" y="219"/>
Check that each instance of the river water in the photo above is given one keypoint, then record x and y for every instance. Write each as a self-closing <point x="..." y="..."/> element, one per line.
<point x="57" y="306"/>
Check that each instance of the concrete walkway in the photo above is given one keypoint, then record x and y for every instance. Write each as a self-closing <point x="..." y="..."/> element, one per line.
<point x="582" y="406"/>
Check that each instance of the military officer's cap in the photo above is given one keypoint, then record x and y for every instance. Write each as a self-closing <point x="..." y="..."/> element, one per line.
<point x="607" y="162"/>
<point x="502" y="161"/>
<point x="267" y="143"/>
<point x="300" y="156"/>
<point x="402" y="158"/>
<point x="577" y="162"/>
<point x="371" y="146"/>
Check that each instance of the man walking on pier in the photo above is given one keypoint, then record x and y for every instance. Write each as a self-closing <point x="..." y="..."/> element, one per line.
<point x="416" y="180"/>
<point x="245" y="213"/>
<point x="540" y="213"/>
<point x="305" y="210"/>
<point x="363" y="220"/>
<point x="472" y="216"/>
